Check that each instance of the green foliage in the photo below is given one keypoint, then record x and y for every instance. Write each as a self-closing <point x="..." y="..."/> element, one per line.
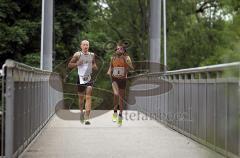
<point x="70" y="20"/>
<point x="19" y="28"/>
<point x="32" y="59"/>
<point x="196" y="39"/>
<point x="120" y="21"/>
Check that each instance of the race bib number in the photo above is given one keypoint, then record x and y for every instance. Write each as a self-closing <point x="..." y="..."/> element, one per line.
<point x="118" y="72"/>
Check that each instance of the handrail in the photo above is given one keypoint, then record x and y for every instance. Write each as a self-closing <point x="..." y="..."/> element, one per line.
<point x="219" y="67"/>
<point x="211" y="68"/>
<point x="13" y="64"/>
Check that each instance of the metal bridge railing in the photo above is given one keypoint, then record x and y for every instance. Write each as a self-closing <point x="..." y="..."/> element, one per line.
<point x="201" y="103"/>
<point x="28" y="102"/>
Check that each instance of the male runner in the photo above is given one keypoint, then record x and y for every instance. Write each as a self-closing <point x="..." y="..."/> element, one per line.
<point x="84" y="61"/>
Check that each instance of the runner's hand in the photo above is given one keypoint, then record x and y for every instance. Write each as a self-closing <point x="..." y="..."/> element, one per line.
<point x="79" y="62"/>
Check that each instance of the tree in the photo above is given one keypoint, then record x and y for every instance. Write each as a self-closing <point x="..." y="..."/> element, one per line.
<point x="20" y="28"/>
<point x="196" y="39"/>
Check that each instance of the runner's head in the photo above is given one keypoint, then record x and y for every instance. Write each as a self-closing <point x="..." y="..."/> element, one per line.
<point x="120" y="49"/>
<point x="84" y="46"/>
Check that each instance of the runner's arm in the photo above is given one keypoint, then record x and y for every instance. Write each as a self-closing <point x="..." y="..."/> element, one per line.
<point x="129" y="62"/>
<point x="94" y="64"/>
<point x="74" y="62"/>
<point x="110" y="68"/>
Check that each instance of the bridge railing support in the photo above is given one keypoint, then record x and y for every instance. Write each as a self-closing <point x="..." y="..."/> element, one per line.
<point x="28" y="102"/>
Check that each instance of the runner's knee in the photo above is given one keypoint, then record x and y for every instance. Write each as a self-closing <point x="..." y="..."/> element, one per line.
<point x="89" y="91"/>
<point x="88" y="97"/>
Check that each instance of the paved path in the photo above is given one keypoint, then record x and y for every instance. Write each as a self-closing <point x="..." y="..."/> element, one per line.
<point x="136" y="138"/>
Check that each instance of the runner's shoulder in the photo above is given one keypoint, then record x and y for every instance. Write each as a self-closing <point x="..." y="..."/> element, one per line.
<point x="92" y="54"/>
<point x="77" y="54"/>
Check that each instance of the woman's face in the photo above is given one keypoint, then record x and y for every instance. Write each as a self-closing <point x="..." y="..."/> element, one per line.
<point x="120" y="50"/>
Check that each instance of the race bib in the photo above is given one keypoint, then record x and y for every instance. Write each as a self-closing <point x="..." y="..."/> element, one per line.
<point x="84" y="79"/>
<point x="118" y="71"/>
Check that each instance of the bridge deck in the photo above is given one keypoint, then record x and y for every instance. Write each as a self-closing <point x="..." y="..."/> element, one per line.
<point x="65" y="136"/>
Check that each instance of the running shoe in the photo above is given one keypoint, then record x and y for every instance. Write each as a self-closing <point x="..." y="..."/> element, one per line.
<point x="114" y="117"/>
<point x="119" y="120"/>
<point x="87" y="122"/>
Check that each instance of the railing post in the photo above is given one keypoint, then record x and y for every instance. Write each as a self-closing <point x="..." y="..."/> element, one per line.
<point x="9" y="126"/>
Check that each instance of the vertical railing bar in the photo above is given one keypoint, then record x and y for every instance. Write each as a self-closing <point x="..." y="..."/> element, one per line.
<point x="25" y="108"/>
<point x="184" y="101"/>
<point x="178" y="124"/>
<point x="157" y="105"/>
<point x="22" y="73"/>
<point x="191" y="119"/>
<point x="32" y="96"/>
<point x="217" y="79"/>
<point x="166" y="99"/>
<point x="198" y="133"/>
<point x="38" y="102"/>
<point x="174" y="118"/>
<point x="20" y="86"/>
<point x="206" y="83"/>
<point x="3" y="111"/>
<point x="214" y="111"/>
<point x="159" y="100"/>
<point x="48" y="91"/>
<point x="181" y="81"/>
<point x="44" y="100"/>
<point x="28" y="105"/>
<point x="150" y="97"/>
<point x="41" y="100"/>
<point x="145" y="106"/>
<point x="169" y="101"/>
<point x="205" y="108"/>
<point x="226" y="121"/>
<point x="34" y="102"/>
<point x="176" y="101"/>
<point x="165" y="109"/>
<point x="238" y="109"/>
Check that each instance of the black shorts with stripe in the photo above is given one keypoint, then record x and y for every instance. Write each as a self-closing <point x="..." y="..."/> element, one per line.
<point x="82" y="87"/>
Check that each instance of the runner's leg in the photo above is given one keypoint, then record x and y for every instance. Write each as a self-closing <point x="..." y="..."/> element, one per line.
<point x="121" y="99"/>
<point x="81" y="100"/>
<point x="116" y="95"/>
<point x="88" y="101"/>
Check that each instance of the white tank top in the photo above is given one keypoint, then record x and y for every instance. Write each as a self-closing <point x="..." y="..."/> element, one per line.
<point x="85" y="70"/>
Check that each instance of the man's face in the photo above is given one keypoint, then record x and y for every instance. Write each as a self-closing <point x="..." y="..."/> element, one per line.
<point x="85" y="46"/>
